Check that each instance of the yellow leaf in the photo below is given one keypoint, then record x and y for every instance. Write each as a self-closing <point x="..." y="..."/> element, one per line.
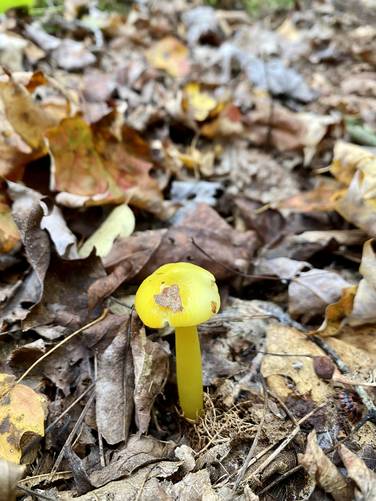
<point x="356" y="168"/>
<point x="21" y="411"/>
<point x="170" y="55"/>
<point x="198" y="103"/>
<point x="9" y="234"/>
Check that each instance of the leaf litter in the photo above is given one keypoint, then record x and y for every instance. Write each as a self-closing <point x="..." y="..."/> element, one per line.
<point x="242" y="142"/>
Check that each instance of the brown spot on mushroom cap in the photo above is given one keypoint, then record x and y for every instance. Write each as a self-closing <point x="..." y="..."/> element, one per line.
<point x="170" y="298"/>
<point x="214" y="307"/>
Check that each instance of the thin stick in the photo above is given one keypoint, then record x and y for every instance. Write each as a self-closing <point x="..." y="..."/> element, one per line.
<point x="280" y="479"/>
<point x="255" y="441"/>
<point x="100" y="438"/>
<point x="71" y="435"/>
<point x="285" y="442"/>
<point x="63" y="341"/>
<point x="36" y="494"/>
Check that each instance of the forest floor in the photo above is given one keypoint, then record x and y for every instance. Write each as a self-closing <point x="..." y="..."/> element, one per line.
<point x="244" y="142"/>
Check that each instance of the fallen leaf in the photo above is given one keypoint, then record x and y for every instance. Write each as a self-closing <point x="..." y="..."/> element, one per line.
<point x="222" y="247"/>
<point x="129" y="162"/>
<point x="27" y="117"/>
<point x="170" y="55"/>
<point x="10" y="474"/>
<point x="21" y="411"/>
<point x="311" y="291"/>
<point x="119" y="223"/>
<point x="72" y="55"/>
<point x="300" y="370"/>
<point x="357" y="470"/>
<point x="60" y="303"/>
<point x="364" y="304"/>
<point x="115" y="386"/>
<point x="77" y="167"/>
<point x="151" y="368"/>
<point x="64" y="240"/>
<point x="9" y="234"/>
<point x="356" y="167"/>
<point x="138" y="451"/>
<point x="197" y="103"/>
<point x="321" y="468"/>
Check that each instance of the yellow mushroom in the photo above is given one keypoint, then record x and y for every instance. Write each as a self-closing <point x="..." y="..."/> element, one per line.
<point x="182" y="295"/>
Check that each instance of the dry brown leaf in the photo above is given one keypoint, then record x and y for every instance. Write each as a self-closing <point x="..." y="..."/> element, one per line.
<point x="356" y="306"/>
<point x="140" y="254"/>
<point x="320" y="467"/>
<point x="311" y="291"/>
<point x="77" y="167"/>
<point x="151" y="367"/>
<point x="22" y="410"/>
<point x="356" y="167"/>
<point x="27" y="117"/>
<point x="10" y="474"/>
<point x="357" y="470"/>
<point x="115" y="386"/>
<point x="9" y="234"/>
<point x="277" y="370"/>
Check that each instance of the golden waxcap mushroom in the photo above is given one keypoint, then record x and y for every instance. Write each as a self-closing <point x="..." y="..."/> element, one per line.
<point x="182" y="295"/>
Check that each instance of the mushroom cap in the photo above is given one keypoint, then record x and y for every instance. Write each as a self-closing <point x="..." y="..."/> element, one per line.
<point x="178" y="294"/>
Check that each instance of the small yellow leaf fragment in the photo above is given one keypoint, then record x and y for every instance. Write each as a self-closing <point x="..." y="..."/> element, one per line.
<point x="170" y="298"/>
<point x="171" y="55"/>
<point x="198" y="102"/>
<point x="21" y="411"/>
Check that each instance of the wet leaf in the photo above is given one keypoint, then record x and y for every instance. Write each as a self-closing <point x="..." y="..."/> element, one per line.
<point x="21" y="411"/>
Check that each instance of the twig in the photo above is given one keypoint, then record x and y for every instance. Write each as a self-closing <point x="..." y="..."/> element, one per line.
<point x="285" y="442"/>
<point x="100" y="438"/>
<point x="35" y="494"/>
<point x="71" y="435"/>
<point x="255" y="440"/>
<point x="38" y="438"/>
<point x="284" y="407"/>
<point x="63" y="341"/>
<point x="234" y="270"/>
<point x="280" y="479"/>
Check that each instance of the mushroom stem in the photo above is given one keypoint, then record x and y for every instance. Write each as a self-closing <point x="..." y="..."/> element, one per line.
<point x="189" y="371"/>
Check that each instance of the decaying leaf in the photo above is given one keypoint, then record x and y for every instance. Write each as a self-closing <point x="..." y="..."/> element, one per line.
<point x="311" y="291"/>
<point x="364" y="478"/>
<point x="77" y="168"/>
<point x="28" y="119"/>
<point x="202" y="237"/>
<point x="278" y="370"/>
<point x="9" y="234"/>
<point x="21" y="411"/>
<point x="321" y="468"/>
<point x="119" y="223"/>
<point x="171" y="55"/>
<point x="115" y="386"/>
<point x="151" y="366"/>
<point x="356" y="167"/>
<point x="10" y="474"/>
<point x="198" y="103"/>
